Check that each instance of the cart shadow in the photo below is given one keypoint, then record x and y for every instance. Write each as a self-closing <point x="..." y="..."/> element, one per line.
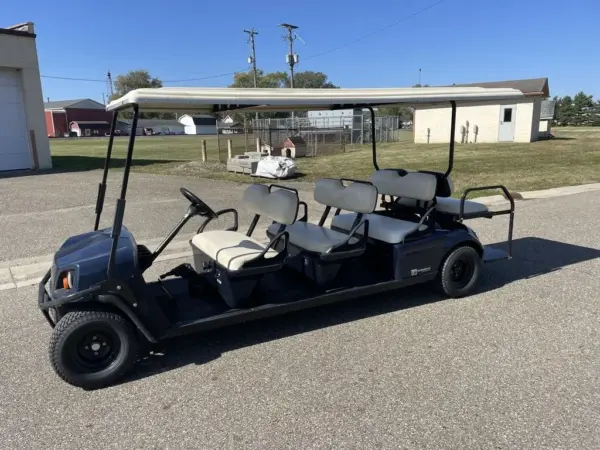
<point x="531" y="257"/>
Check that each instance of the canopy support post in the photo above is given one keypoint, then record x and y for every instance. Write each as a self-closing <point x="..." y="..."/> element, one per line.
<point x="452" y="135"/>
<point x="102" y="186"/>
<point x="120" y="212"/>
<point x="373" y="137"/>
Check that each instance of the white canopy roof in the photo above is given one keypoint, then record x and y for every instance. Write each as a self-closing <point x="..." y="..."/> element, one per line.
<point x="207" y="100"/>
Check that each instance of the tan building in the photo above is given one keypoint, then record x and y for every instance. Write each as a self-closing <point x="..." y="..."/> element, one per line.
<point x="23" y="140"/>
<point x="508" y="121"/>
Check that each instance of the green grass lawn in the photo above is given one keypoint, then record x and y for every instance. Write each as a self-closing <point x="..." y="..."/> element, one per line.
<point x="573" y="157"/>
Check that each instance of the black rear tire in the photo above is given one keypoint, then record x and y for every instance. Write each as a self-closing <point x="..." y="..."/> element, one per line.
<point x="92" y="349"/>
<point x="459" y="273"/>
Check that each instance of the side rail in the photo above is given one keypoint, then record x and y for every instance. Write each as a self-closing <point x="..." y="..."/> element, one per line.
<point x="219" y="214"/>
<point x="511" y="211"/>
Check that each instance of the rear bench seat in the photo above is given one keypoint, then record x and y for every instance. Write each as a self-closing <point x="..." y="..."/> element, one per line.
<point x="414" y="186"/>
<point x="449" y="205"/>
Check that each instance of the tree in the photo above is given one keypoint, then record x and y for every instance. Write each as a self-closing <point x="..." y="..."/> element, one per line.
<point x="138" y="79"/>
<point x="582" y="106"/>
<point x="302" y="80"/>
<point x="312" y="80"/>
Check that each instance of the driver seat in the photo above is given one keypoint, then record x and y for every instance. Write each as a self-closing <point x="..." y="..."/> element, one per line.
<point x="235" y="261"/>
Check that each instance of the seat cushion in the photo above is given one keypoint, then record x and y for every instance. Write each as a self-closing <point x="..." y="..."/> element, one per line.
<point x="311" y="237"/>
<point x="230" y="248"/>
<point x="381" y="228"/>
<point x="450" y="205"/>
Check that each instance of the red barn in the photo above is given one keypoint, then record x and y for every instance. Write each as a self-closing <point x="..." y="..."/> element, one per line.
<point x="60" y="115"/>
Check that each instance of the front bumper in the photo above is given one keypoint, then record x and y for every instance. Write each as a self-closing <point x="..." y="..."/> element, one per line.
<point x="49" y="305"/>
<point x="44" y="299"/>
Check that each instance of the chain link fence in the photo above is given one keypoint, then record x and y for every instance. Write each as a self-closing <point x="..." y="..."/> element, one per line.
<point x="318" y="135"/>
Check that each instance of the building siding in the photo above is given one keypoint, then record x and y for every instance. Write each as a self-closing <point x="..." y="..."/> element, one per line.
<point x="20" y="52"/>
<point x="61" y="126"/>
<point x="49" y="123"/>
<point x="486" y="116"/>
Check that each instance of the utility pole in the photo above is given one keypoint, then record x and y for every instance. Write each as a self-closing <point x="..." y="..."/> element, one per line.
<point x="419" y="77"/>
<point x="252" y="58"/>
<point x="109" y="85"/>
<point x="291" y="58"/>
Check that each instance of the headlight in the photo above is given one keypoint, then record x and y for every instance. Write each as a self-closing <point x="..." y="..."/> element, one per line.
<point x="65" y="280"/>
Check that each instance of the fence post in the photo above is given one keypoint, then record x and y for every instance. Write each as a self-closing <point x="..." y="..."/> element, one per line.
<point x="203" y="150"/>
<point x="218" y="141"/>
<point x="258" y="144"/>
<point x="229" y="149"/>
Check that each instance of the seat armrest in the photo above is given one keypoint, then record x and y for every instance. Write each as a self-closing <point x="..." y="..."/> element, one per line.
<point x="219" y="214"/>
<point x="351" y="234"/>
<point x="304" y="218"/>
<point x="282" y="234"/>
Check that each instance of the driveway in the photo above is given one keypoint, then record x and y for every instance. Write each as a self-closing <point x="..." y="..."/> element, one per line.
<point x="515" y="366"/>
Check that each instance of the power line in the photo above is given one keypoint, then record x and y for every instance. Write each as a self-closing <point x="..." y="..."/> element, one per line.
<point x="362" y="38"/>
<point x="366" y="36"/>
<point x="165" y="81"/>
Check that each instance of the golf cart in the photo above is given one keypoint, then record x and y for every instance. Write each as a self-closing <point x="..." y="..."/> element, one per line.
<point x="400" y="228"/>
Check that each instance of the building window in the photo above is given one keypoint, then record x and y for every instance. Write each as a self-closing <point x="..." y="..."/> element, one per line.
<point x="508" y="115"/>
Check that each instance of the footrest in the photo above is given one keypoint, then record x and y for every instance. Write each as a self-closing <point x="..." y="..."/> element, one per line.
<point x="492" y="254"/>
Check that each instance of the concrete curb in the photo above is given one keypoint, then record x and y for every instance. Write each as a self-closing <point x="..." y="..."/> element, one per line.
<point x="29" y="271"/>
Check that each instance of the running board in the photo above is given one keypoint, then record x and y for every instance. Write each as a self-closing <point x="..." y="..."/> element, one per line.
<point x="492" y="254"/>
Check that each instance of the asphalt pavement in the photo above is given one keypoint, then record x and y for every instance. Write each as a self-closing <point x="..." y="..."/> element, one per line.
<point x="515" y="366"/>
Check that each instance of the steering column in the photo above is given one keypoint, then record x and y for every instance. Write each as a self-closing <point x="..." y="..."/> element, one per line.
<point x="197" y="208"/>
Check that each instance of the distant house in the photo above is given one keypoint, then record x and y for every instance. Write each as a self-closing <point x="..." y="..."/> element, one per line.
<point x="89" y="128"/>
<point x="61" y="114"/>
<point x="229" y="126"/>
<point x="152" y="126"/>
<point x="513" y="120"/>
<point x="203" y="124"/>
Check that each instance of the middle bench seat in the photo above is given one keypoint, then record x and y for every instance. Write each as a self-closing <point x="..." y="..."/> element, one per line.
<point x="416" y="186"/>
<point x="358" y="197"/>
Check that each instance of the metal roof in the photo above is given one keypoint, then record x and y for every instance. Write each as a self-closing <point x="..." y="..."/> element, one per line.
<point x="529" y="87"/>
<point x="207" y="100"/>
<point x="61" y="104"/>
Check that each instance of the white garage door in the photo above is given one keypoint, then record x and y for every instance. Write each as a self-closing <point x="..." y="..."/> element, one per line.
<point x="14" y="144"/>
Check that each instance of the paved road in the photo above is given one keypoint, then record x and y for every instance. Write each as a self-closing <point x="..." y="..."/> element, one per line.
<point x="37" y="213"/>
<point x="515" y="366"/>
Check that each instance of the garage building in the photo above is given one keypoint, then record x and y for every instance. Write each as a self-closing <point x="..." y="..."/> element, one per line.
<point x="67" y="116"/>
<point x="489" y="121"/>
<point x="23" y="140"/>
<point x="202" y="124"/>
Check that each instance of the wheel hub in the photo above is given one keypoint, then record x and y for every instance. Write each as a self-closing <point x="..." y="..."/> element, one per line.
<point x="96" y="349"/>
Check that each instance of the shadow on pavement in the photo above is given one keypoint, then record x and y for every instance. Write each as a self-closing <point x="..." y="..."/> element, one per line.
<point x="531" y="257"/>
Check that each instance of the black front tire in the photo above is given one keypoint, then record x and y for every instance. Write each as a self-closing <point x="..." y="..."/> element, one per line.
<point x="92" y="349"/>
<point x="459" y="273"/>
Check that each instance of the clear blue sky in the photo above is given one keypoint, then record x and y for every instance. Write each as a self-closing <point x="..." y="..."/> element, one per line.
<point x="456" y="41"/>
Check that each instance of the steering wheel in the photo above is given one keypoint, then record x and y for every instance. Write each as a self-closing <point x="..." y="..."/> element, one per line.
<point x="204" y="209"/>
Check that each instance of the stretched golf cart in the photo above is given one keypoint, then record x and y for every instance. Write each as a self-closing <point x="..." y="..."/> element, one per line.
<point x="397" y="229"/>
